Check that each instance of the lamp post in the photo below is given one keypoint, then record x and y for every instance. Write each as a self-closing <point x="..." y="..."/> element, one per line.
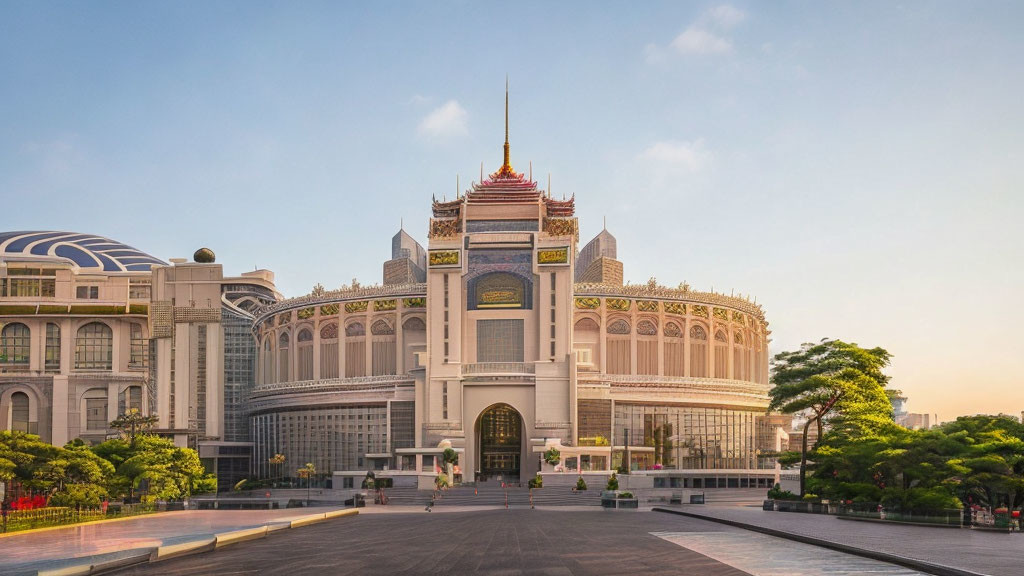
<point x="625" y="432"/>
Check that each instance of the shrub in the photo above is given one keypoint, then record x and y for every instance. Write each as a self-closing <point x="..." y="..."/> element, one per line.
<point x="625" y="495"/>
<point x="777" y="493"/>
<point x="581" y="484"/>
<point x="441" y="481"/>
<point x="552" y="456"/>
<point x="537" y="481"/>
<point x="613" y="483"/>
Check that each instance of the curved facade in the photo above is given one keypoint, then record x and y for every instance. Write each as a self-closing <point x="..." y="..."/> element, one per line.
<point x="502" y="354"/>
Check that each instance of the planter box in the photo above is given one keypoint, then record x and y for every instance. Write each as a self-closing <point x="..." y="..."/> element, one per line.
<point x="612" y="500"/>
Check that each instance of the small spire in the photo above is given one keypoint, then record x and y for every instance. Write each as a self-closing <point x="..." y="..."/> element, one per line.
<point x="457" y="188"/>
<point x="506" y="163"/>
<point x="605" y="223"/>
<point x="549" y="184"/>
<point x="531" y="170"/>
<point x="401" y="224"/>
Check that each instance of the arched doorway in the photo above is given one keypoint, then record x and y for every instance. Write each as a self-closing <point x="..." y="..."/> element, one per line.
<point x="500" y="430"/>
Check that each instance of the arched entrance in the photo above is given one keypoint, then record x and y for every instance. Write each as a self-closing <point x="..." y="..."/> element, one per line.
<point x="500" y="430"/>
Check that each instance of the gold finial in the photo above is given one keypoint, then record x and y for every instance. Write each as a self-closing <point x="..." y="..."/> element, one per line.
<point x="506" y="165"/>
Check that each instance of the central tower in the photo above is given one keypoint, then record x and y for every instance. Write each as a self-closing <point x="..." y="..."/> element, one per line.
<point x="499" y="376"/>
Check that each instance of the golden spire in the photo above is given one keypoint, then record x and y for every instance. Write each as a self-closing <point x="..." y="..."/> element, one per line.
<point x="506" y="167"/>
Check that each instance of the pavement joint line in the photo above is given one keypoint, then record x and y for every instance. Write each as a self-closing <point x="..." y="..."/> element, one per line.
<point x="919" y="565"/>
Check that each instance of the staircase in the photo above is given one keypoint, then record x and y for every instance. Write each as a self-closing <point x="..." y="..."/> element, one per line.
<point x="493" y="495"/>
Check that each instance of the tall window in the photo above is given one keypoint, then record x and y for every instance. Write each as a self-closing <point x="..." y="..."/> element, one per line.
<point x="673" y="350"/>
<point x="96" y="409"/>
<point x="619" y="356"/>
<point x="698" y="352"/>
<point x="721" y="354"/>
<point x="646" y="347"/>
<point x="140" y="348"/>
<point x="383" y="348"/>
<point x="52" y="356"/>
<point x="304" y="348"/>
<point x="15" y="345"/>
<point x="355" y="350"/>
<point x="87" y="292"/>
<point x="94" y="347"/>
<point x="19" y="412"/>
<point x="587" y="337"/>
<point x="414" y="337"/>
<point x="282" y="358"/>
<point x="268" y="359"/>
<point x="329" y="350"/>
<point x="739" y="362"/>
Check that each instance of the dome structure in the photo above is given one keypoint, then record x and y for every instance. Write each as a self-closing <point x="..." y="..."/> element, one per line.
<point x="204" y="256"/>
<point x="87" y="251"/>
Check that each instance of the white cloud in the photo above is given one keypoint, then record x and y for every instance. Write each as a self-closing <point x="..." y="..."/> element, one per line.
<point x="706" y="35"/>
<point x="696" y="40"/>
<point x="446" y="121"/>
<point x="676" y="156"/>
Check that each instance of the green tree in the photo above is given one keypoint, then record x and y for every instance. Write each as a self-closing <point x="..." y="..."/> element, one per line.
<point x="831" y="382"/>
<point x="133" y="423"/>
<point x="307" y="472"/>
<point x="168" y="471"/>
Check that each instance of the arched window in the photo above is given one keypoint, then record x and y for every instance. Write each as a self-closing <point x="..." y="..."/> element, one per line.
<point x="587" y="339"/>
<point x="721" y="354"/>
<point x="620" y="358"/>
<point x="383" y="348"/>
<point x="355" y="350"/>
<point x="329" y="350"/>
<point x="646" y="348"/>
<point x="19" y="412"/>
<point x="414" y="335"/>
<point x="268" y="359"/>
<point x="304" y="344"/>
<point x="52" y="353"/>
<point x="739" y="357"/>
<point x="698" y="352"/>
<point x="283" y="351"/>
<point x="15" y="345"/>
<point x="674" y="363"/>
<point x="94" y="347"/>
<point x="95" y="407"/>
<point x="129" y="399"/>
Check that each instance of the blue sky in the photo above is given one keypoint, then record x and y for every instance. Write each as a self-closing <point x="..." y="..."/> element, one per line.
<point x="856" y="167"/>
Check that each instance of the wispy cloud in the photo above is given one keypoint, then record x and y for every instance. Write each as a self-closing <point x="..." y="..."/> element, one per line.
<point x="706" y="35"/>
<point x="446" y="121"/>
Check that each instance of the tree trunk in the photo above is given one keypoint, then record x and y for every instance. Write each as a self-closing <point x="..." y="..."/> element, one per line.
<point x="821" y="431"/>
<point x="803" y="457"/>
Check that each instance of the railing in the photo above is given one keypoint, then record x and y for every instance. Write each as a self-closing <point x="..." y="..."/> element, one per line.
<point x="688" y="382"/>
<point x="482" y="368"/>
<point x="362" y="382"/>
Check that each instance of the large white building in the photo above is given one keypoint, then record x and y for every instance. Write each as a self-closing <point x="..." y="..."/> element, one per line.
<point x="501" y="339"/>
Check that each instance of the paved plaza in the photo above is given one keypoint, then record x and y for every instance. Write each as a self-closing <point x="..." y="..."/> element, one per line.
<point x="520" y="541"/>
<point x="53" y="545"/>
<point x="983" y="552"/>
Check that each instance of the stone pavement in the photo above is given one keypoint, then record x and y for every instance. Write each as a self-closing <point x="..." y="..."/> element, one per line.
<point x="19" y="550"/>
<point x="503" y="542"/>
<point x="982" y="552"/>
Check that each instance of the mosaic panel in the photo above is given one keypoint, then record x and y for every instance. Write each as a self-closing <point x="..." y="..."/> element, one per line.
<point x="646" y="328"/>
<point x="329" y="309"/>
<point x="414" y="302"/>
<point x="359" y="306"/>
<point x="588" y="303"/>
<point x="553" y="256"/>
<point x="699" y="310"/>
<point x="675" y="308"/>
<point x="444" y="258"/>
<point x="647" y="305"/>
<point x="382" y="305"/>
<point x="721" y="314"/>
<point x="306" y="313"/>
<point x="738" y="317"/>
<point x="620" y="304"/>
<point x="618" y="327"/>
<point x="329" y="331"/>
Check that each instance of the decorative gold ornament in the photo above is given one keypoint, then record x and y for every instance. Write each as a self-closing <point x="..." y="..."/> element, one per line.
<point x="360" y="306"/>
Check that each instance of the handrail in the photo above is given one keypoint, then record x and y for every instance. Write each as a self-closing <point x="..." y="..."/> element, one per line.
<point x="498" y="368"/>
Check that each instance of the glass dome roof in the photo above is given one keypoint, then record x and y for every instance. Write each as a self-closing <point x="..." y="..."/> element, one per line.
<point x="88" y="251"/>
